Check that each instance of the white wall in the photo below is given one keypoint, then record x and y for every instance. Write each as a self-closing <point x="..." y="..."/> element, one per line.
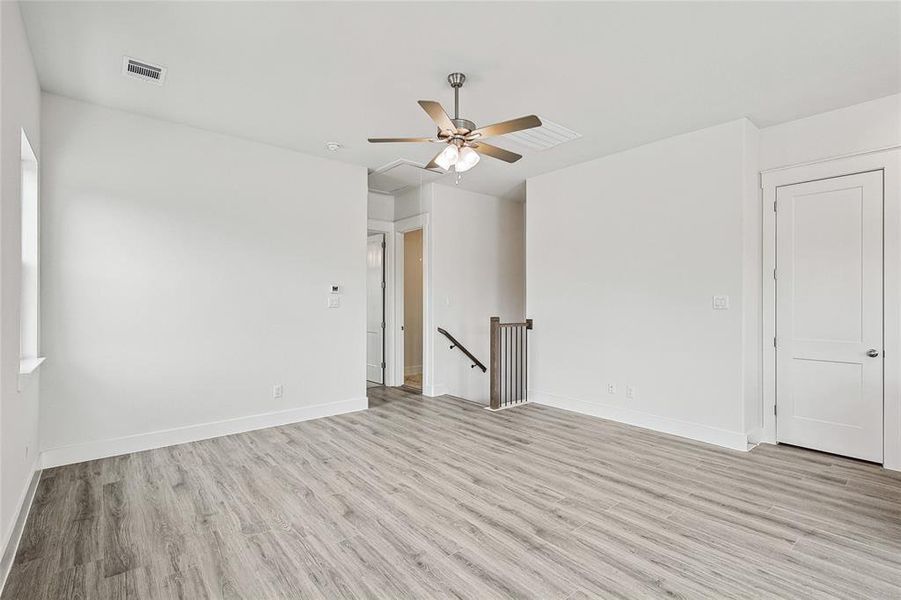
<point x="415" y="200"/>
<point x="380" y="206"/>
<point x="20" y="102"/>
<point x="624" y="255"/>
<point x="752" y="257"/>
<point x="861" y="127"/>
<point x="186" y="273"/>
<point x="478" y="272"/>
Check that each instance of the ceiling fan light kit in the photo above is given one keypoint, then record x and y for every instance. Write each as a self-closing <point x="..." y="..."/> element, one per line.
<point x="468" y="159"/>
<point x="447" y="158"/>
<point x="464" y="145"/>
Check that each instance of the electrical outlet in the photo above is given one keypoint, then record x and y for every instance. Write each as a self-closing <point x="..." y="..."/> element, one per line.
<point x="278" y="390"/>
<point x="611" y="388"/>
<point x="631" y="392"/>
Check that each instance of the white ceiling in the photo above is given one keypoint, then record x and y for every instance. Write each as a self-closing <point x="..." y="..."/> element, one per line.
<point x="622" y="74"/>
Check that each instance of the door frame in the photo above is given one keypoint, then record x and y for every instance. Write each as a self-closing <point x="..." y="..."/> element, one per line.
<point x="889" y="162"/>
<point x="387" y="228"/>
<point x="428" y="355"/>
<point x="383" y="361"/>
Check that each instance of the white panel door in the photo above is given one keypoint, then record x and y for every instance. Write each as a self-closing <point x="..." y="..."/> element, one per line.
<point x="375" y="316"/>
<point x="829" y="315"/>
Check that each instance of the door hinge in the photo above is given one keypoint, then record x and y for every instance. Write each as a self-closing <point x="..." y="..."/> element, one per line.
<point x="775" y="410"/>
<point x="383" y="285"/>
<point x="383" y="244"/>
<point x="383" y="324"/>
<point x="774" y="206"/>
<point x="383" y="365"/>
<point x="774" y="342"/>
<point x="774" y="273"/>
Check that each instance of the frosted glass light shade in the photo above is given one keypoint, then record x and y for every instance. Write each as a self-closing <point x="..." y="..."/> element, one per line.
<point x="448" y="157"/>
<point x="467" y="160"/>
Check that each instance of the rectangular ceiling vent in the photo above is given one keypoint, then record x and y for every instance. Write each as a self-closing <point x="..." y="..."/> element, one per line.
<point x="144" y="71"/>
<point x="550" y="134"/>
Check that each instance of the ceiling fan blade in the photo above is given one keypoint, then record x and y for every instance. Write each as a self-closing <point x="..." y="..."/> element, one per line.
<point x="495" y="152"/>
<point x="432" y="164"/>
<point x="389" y="140"/>
<point x="438" y="115"/>
<point x="506" y="127"/>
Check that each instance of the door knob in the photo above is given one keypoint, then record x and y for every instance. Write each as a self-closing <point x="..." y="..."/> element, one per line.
<point x="872" y="353"/>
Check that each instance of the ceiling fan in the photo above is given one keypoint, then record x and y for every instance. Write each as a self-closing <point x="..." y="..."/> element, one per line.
<point x="462" y="138"/>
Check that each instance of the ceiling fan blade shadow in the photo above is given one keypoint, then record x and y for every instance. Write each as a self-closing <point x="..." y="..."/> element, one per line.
<point x="505" y="127"/>
<point x="438" y="114"/>
<point x="495" y="152"/>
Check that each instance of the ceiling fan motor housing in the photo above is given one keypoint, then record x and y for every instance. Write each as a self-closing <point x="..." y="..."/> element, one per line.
<point x="464" y="124"/>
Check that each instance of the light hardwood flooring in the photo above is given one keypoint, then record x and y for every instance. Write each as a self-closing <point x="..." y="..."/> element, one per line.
<point x="413" y="380"/>
<point x="439" y="498"/>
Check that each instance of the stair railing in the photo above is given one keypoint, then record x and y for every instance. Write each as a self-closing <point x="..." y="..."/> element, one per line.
<point x="455" y="344"/>
<point x="509" y="363"/>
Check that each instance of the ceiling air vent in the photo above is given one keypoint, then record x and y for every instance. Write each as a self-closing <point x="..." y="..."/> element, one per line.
<point x="547" y="136"/>
<point x="142" y="70"/>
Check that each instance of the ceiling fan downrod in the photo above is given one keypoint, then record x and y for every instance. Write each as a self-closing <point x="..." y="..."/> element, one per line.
<point x="456" y="81"/>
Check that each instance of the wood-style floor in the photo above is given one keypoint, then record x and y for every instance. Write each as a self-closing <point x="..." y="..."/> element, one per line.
<point x="438" y="498"/>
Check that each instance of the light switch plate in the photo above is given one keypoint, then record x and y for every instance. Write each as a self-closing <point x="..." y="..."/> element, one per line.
<point x="334" y="301"/>
<point x="720" y="302"/>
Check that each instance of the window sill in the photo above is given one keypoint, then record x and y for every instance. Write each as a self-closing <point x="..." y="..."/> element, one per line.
<point x="27" y="366"/>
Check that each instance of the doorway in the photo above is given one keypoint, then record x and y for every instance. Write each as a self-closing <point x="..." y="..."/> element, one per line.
<point x="865" y="190"/>
<point x="413" y="308"/>
<point x="375" y="310"/>
<point x="829" y="315"/>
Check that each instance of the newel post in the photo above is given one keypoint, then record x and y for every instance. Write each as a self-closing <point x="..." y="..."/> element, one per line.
<point x="493" y="364"/>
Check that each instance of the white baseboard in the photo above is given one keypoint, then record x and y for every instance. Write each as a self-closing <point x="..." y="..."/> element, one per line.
<point x="755" y="436"/>
<point x="693" y="431"/>
<point x="14" y="535"/>
<point x="433" y="391"/>
<point x="65" y="455"/>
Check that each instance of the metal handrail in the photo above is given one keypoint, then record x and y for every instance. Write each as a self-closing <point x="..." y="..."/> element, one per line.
<point x="456" y="344"/>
